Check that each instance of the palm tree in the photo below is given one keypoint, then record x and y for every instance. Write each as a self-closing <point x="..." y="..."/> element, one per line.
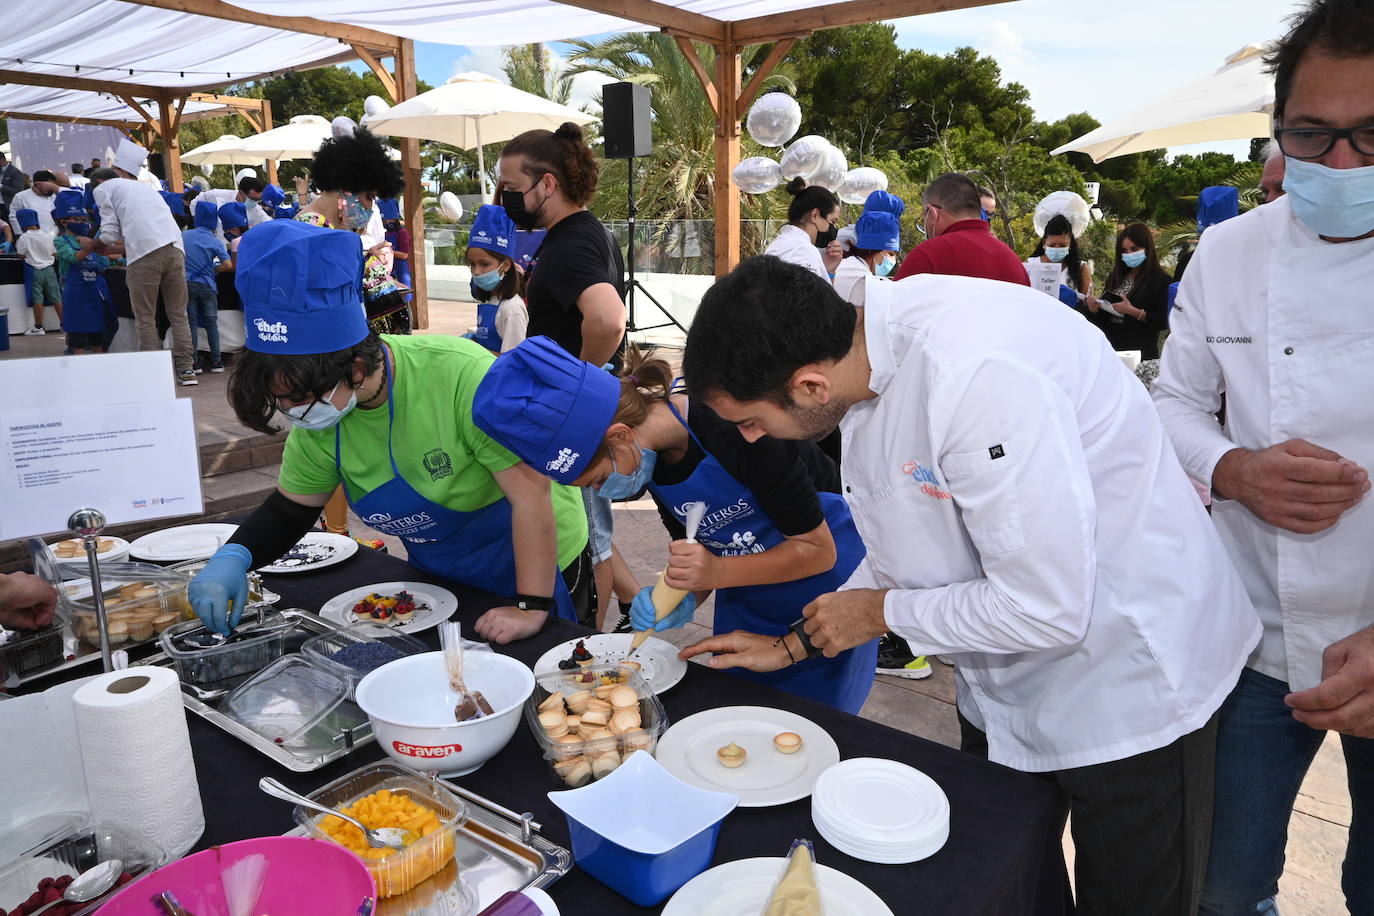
<point x="1172" y="238"/>
<point x="533" y="68"/>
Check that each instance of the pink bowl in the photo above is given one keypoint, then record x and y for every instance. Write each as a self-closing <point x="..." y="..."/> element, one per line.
<point x="305" y="877"/>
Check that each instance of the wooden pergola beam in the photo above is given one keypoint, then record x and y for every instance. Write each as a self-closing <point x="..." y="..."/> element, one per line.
<point x="375" y="65"/>
<point x="689" y="51"/>
<point x="659" y="15"/>
<point x="761" y="75"/>
<point x="833" y="15"/>
<point x="414" y="200"/>
<point x="148" y="119"/>
<point x="61" y="119"/>
<point x="49" y="81"/>
<point x="217" y="9"/>
<point x="169" y="115"/>
<point x="727" y="145"/>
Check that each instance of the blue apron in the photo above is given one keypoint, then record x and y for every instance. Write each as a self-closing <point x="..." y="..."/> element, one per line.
<point x="486" y="326"/>
<point x="735" y="525"/>
<point x="473" y="548"/>
<point x="400" y="268"/>
<point x="86" y="301"/>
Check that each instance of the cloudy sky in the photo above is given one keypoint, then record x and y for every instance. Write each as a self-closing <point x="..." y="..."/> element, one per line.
<point x="1106" y="57"/>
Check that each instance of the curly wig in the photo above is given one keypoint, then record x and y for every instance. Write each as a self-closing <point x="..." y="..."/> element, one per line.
<point x="358" y="163"/>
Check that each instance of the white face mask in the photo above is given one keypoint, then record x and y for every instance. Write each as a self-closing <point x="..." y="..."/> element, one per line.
<point x="321" y="414"/>
<point x="1056" y="254"/>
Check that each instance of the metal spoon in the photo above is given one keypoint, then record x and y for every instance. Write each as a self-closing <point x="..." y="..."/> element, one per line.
<point x="88" y="885"/>
<point x="382" y="838"/>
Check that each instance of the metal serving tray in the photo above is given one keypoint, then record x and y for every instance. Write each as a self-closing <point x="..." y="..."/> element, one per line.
<point x="333" y="739"/>
<point x="497" y="851"/>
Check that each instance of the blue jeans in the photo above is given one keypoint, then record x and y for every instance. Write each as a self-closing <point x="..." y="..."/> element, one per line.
<point x="1262" y="756"/>
<point x="600" y="525"/>
<point x="202" y="308"/>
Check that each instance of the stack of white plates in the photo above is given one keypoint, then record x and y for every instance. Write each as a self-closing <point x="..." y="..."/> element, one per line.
<point x="880" y="811"/>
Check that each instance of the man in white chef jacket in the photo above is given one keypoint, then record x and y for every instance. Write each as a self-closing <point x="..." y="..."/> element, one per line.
<point x="249" y="192"/>
<point x="1274" y="311"/>
<point x="1023" y="512"/>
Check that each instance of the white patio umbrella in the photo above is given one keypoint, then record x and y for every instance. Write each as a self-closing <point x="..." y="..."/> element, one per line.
<point x="227" y="150"/>
<point x="1234" y="103"/>
<point x="296" y="139"/>
<point x="471" y="109"/>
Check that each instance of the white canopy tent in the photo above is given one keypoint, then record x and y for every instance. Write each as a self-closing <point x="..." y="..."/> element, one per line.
<point x="226" y="150"/>
<point x="41" y="103"/>
<point x="471" y="109"/>
<point x="1234" y="103"/>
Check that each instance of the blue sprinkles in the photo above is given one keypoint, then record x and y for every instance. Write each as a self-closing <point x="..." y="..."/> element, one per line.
<point x="365" y="656"/>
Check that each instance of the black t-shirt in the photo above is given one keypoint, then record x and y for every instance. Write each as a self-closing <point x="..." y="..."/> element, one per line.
<point x="784" y="475"/>
<point x="577" y="254"/>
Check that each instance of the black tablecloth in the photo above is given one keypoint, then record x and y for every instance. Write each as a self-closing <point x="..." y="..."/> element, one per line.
<point x="117" y="279"/>
<point x="1003" y="856"/>
<point x="11" y="270"/>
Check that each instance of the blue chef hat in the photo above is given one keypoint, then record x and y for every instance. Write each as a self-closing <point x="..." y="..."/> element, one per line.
<point x="26" y="217"/>
<point x="1217" y="204"/>
<point x="69" y="204"/>
<point x="285" y="211"/>
<point x="389" y="208"/>
<point x="547" y="406"/>
<point x="302" y="288"/>
<point x="175" y="202"/>
<point x="233" y="215"/>
<point x="883" y="202"/>
<point x="272" y="196"/>
<point x="207" y="215"/>
<point x="492" y="230"/>
<point x="877" y="231"/>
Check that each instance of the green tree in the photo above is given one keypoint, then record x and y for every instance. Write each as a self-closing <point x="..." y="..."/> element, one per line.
<point x="533" y="68"/>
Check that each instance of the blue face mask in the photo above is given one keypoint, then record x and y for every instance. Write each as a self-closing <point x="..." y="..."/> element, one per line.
<point x="355" y="215"/>
<point x="886" y="266"/>
<point x="489" y="280"/>
<point x="321" y="414"/>
<point x="1133" y="259"/>
<point x="1336" y="203"/>
<point x="83" y="229"/>
<point x="627" y="486"/>
<point x="1056" y="254"/>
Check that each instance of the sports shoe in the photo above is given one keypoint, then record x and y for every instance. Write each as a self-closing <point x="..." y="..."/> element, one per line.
<point x="895" y="658"/>
<point x="945" y="660"/>
<point x="623" y="625"/>
<point x="217" y="367"/>
<point x="187" y="377"/>
<point x="35" y="332"/>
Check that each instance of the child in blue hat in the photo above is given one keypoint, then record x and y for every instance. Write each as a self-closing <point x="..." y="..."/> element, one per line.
<point x="206" y="256"/>
<point x="39" y="257"/>
<point x="89" y="309"/>
<point x="498" y="286"/>
<point x="398" y="237"/>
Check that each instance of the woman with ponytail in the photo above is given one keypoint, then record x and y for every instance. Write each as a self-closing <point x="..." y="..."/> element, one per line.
<point x="808" y="239"/>
<point x="775" y="533"/>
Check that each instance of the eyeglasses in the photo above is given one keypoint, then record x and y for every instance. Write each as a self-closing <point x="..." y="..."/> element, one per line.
<point x="297" y="398"/>
<point x="1315" y="142"/>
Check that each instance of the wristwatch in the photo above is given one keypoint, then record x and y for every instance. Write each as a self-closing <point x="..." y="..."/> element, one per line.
<point x="533" y="603"/>
<point x="798" y="628"/>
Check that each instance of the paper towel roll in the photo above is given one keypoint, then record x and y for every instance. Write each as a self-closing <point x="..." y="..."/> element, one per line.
<point x="137" y="755"/>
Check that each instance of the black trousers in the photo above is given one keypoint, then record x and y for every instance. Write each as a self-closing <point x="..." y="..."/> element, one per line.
<point x="577" y="575"/>
<point x="1141" y="826"/>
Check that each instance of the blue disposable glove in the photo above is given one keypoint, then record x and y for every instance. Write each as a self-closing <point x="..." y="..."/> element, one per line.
<point x="219" y="592"/>
<point x="642" y="612"/>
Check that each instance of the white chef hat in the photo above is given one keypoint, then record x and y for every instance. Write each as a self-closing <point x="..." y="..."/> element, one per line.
<point x="847" y="237"/>
<point x="129" y="156"/>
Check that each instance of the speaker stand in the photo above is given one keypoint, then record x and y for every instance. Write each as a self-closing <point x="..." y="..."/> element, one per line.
<point x="631" y="284"/>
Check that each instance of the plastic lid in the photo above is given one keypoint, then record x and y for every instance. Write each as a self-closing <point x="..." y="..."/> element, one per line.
<point x="286" y="699"/>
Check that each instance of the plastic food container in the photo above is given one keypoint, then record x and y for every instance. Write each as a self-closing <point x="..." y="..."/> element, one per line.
<point x="215" y="667"/>
<point x="30" y="650"/>
<point x="285" y="700"/>
<point x="354" y="653"/>
<point x="141" y="601"/>
<point x="69" y="854"/>
<point x="641" y="831"/>
<point x="395" y="872"/>
<point x="561" y="755"/>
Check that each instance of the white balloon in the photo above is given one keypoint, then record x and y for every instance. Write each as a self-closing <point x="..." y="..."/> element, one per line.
<point x="451" y="206"/>
<point x="244" y="173"/>
<point x="199" y="181"/>
<point x="832" y="170"/>
<point x="861" y="182"/>
<point x="774" y="119"/>
<point x="375" y="105"/>
<point x="804" y="157"/>
<point x="343" y="126"/>
<point x="207" y="169"/>
<point x="1065" y="203"/>
<point x="757" y="175"/>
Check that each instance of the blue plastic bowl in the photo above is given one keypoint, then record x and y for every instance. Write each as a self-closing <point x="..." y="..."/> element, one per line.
<point x="641" y="831"/>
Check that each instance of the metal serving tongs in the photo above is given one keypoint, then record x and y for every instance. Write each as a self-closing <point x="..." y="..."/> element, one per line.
<point x="471" y="704"/>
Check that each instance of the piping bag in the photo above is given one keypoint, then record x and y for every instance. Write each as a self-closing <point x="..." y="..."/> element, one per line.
<point x="665" y="596"/>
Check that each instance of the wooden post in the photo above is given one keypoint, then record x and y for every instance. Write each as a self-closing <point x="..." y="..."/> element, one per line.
<point x="171" y="148"/>
<point x="414" y="206"/>
<point x="726" y="195"/>
<point x="266" y="115"/>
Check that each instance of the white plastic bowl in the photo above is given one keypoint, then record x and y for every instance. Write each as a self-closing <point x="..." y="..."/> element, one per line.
<point x="411" y="707"/>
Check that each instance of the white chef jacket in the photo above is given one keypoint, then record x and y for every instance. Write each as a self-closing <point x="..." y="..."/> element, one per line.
<point x="795" y="247"/>
<point x="135" y="213"/>
<point x="29" y="199"/>
<point x="1018" y="494"/>
<point x="852" y="271"/>
<point x="1279" y="320"/>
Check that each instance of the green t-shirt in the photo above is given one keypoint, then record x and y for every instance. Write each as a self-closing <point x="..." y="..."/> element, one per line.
<point x="438" y="449"/>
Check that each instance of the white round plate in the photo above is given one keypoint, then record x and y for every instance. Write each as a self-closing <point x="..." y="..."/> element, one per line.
<point x="743" y="886"/>
<point x="767" y="776"/>
<point x="658" y="662"/>
<point x="433" y="604"/>
<point x="116" y="553"/>
<point x="184" y="542"/>
<point x="316" y="550"/>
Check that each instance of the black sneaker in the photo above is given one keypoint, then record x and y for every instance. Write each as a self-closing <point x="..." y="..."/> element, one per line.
<point x="895" y="658"/>
<point x="623" y="625"/>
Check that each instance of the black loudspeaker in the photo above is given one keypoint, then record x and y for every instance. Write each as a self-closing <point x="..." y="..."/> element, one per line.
<point x="625" y="124"/>
<point x="157" y="165"/>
